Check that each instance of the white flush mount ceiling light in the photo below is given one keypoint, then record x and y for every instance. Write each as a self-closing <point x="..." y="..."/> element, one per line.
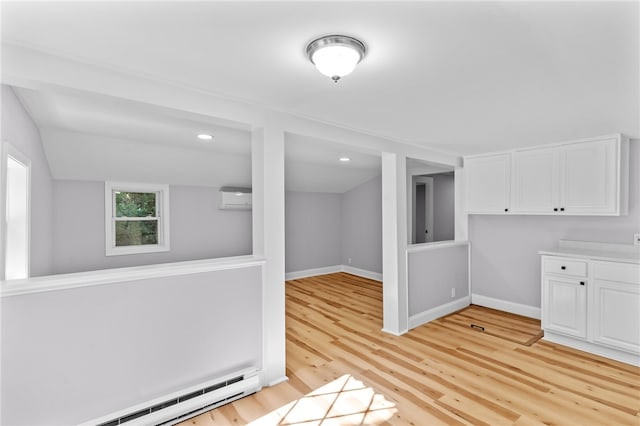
<point x="205" y="137"/>
<point x="336" y="55"/>
<point x="345" y="159"/>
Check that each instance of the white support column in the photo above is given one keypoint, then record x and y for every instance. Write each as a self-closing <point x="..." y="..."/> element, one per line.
<point x="268" y="241"/>
<point x="257" y="190"/>
<point x="461" y="217"/>
<point x="394" y="243"/>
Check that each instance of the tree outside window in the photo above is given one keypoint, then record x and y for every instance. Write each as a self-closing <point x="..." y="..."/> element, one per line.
<point x="137" y="218"/>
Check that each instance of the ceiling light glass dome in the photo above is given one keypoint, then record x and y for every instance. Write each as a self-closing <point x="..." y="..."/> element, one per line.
<point x="336" y="55"/>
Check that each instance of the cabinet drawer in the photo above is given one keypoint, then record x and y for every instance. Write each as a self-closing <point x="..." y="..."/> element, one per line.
<point x="620" y="272"/>
<point x="562" y="266"/>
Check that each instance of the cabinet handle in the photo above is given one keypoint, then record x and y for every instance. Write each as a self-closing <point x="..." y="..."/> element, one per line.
<point x="562" y="209"/>
<point x="555" y="209"/>
<point x="581" y="282"/>
<point x="563" y="267"/>
<point x="506" y="210"/>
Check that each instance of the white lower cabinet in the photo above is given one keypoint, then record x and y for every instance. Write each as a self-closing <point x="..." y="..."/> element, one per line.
<point x="566" y="302"/>
<point x="593" y="306"/>
<point x="615" y="306"/>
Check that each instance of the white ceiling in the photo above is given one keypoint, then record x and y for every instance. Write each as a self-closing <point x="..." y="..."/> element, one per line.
<point x="463" y="77"/>
<point x="93" y="137"/>
<point x="313" y="165"/>
<point x="122" y="119"/>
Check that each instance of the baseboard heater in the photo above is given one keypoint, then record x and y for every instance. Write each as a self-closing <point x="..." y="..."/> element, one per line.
<point x="189" y="402"/>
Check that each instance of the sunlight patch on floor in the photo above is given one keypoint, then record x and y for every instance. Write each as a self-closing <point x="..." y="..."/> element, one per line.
<point x="345" y="401"/>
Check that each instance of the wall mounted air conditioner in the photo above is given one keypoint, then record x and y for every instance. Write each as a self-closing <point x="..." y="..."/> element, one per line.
<point x="235" y="198"/>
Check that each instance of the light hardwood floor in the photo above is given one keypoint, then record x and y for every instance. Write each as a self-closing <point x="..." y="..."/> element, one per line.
<point x="343" y="370"/>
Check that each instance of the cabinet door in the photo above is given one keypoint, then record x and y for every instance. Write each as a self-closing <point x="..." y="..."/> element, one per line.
<point x="616" y="309"/>
<point x="535" y="181"/>
<point x="487" y="183"/>
<point x="565" y="306"/>
<point x="589" y="183"/>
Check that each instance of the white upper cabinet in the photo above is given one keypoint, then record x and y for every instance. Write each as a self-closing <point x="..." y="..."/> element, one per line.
<point x="535" y="175"/>
<point x="588" y="177"/>
<point x="487" y="183"/>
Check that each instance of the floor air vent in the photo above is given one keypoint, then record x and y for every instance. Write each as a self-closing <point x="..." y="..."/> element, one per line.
<point x="187" y="403"/>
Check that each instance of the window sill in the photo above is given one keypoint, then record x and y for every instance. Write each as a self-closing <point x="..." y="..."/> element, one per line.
<point x="120" y="251"/>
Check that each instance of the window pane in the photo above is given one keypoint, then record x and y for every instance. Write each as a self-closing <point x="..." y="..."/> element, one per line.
<point x="135" y="204"/>
<point x="136" y="233"/>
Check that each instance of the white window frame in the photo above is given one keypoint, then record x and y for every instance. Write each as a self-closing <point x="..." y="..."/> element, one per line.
<point x="162" y="216"/>
<point x="8" y="150"/>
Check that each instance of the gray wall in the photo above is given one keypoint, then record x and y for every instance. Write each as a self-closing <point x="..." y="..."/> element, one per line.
<point x="327" y="229"/>
<point x="199" y="230"/>
<point x="362" y="226"/>
<point x="443" y="207"/>
<point x="432" y="273"/>
<point x="504" y="256"/>
<point x="19" y="130"/>
<point x="312" y="230"/>
<point x="73" y="355"/>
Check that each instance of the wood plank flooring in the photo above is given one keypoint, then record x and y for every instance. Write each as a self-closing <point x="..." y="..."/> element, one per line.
<point x="343" y="370"/>
<point x="515" y="328"/>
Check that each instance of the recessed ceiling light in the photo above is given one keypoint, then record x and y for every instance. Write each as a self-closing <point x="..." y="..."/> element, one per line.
<point x="345" y="159"/>
<point x="205" y="137"/>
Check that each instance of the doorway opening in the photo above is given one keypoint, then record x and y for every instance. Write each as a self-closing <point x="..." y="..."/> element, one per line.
<point x="423" y="210"/>
<point x="17" y="215"/>
<point x="431" y="202"/>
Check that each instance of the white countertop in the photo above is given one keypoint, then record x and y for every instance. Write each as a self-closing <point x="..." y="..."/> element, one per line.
<point x="626" y="253"/>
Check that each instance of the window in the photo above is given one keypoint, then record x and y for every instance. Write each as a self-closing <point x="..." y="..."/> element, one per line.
<point x="17" y="214"/>
<point x="137" y="218"/>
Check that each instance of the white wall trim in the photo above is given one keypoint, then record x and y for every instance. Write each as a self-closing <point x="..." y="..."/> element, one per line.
<point x="312" y="272"/>
<point x="438" y="312"/>
<point x="376" y="276"/>
<point x="393" y="333"/>
<point x="277" y="381"/>
<point x="114" y="276"/>
<point x="295" y="275"/>
<point x="583" y="345"/>
<point x="506" y="306"/>
<point x="413" y="248"/>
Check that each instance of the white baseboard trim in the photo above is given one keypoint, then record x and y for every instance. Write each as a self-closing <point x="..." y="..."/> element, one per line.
<point x="332" y="270"/>
<point x="437" y="312"/>
<point x="393" y="333"/>
<point x="312" y="272"/>
<point x="593" y="348"/>
<point x="376" y="276"/>
<point x="277" y="381"/>
<point x="506" y="306"/>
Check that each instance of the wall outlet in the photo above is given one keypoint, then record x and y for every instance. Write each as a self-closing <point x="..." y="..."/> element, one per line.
<point x="636" y="239"/>
<point x="349" y="260"/>
<point x="453" y="292"/>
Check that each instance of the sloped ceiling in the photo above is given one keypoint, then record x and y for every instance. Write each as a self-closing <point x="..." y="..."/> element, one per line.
<point x="91" y="137"/>
<point x="464" y="77"/>
<point x="459" y="77"/>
